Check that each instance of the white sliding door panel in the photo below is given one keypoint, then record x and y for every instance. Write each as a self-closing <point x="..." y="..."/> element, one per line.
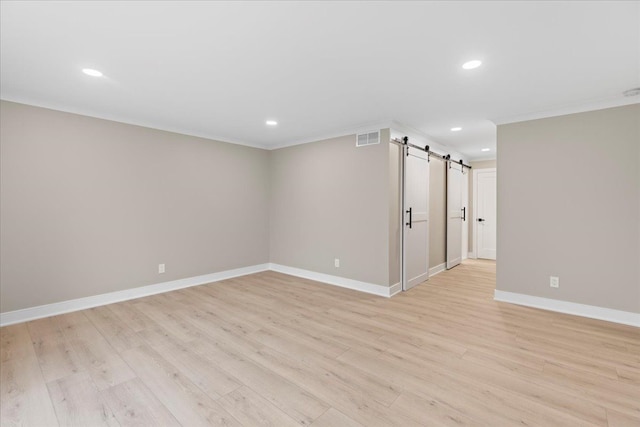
<point x="465" y="215"/>
<point x="454" y="215"/>
<point x="416" y="225"/>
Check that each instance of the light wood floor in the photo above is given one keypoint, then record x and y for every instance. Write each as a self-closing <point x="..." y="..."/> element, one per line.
<point x="270" y="349"/>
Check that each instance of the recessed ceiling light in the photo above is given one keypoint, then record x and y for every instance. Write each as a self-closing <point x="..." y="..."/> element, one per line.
<point x="470" y="65"/>
<point x="271" y="122"/>
<point x="91" y="72"/>
<point x="456" y="129"/>
<point x="486" y="149"/>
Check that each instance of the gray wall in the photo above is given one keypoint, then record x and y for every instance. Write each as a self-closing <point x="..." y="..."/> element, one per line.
<point x="91" y="206"/>
<point x="330" y="199"/>
<point x="569" y="206"/>
<point x="437" y="212"/>
<point x="480" y="164"/>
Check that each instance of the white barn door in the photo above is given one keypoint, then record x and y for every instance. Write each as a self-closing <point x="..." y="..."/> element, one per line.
<point x="416" y="225"/>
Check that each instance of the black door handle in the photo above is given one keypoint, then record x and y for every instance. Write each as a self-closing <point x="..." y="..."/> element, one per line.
<point x="480" y="219"/>
<point x="464" y="213"/>
<point x="410" y="220"/>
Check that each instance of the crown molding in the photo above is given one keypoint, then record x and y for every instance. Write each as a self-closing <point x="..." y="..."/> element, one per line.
<point x="393" y="125"/>
<point x="118" y="119"/>
<point x="600" y="104"/>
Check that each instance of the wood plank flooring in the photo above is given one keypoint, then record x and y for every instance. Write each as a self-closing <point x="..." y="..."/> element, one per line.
<point x="271" y="349"/>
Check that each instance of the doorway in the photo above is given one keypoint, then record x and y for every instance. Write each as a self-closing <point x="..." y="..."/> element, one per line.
<point x="484" y="212"/>
<point x="456" y="214"/>
<point x="414" y="222"/>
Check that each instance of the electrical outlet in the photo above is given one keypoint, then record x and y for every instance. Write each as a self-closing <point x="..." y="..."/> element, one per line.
<point x="554" y="282"/>
<point x="160" y="268"/>
<point x="336" y="262"/>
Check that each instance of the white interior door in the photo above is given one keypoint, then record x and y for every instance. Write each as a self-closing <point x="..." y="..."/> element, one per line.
<point x="416" y="226"/>
<point x="486" y="209"/>
<point x="454" y="215"/>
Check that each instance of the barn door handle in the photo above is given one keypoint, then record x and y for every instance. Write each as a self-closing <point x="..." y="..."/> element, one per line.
<point x="464" y="213"/>
<point x="410" y="219"/>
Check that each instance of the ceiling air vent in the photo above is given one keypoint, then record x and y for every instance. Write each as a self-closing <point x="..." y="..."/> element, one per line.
<point x="368" y="138"/>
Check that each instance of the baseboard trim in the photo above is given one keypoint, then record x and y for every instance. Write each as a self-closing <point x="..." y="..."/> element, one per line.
<point x="471" y="255"/>
<point x="593" y="312"/>
<point x="395" y="289"/>
<point x="370" y="288"/>
<point x="54" y="309"/>
<point x="437" y="269"/>
<point x="33" y="313"/>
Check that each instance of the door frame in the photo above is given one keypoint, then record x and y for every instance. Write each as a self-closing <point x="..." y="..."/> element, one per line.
<point x="475" y="206"/>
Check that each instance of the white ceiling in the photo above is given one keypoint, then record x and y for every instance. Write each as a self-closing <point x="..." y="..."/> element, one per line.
<point x="220" y="69"/>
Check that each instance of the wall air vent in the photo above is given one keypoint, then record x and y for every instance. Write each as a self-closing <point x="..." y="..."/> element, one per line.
<point x="368" y="138"/>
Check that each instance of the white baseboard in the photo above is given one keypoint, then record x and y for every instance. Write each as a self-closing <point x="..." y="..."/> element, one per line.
<point x="472" y="255"/>
<point x="33" y="313"/>
<point x="369" y="288"/>
<point x="437" y="269"/>
<point x="591" y="311"/>
<point x="395" y="289"/>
